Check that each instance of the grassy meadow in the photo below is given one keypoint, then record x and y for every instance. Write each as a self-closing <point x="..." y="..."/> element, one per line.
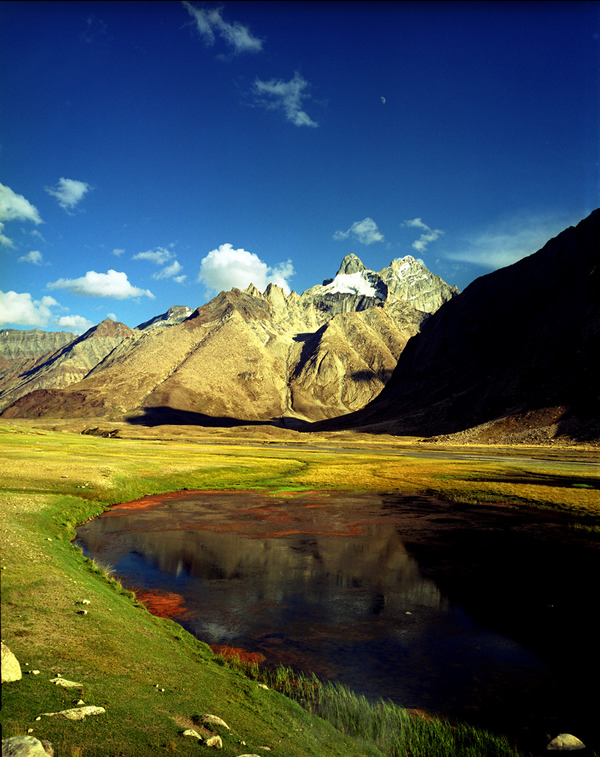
<point x="155" y="679"/>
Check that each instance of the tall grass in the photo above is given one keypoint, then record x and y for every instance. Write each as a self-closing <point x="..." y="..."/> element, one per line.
<point x="108" y="573"/>
<point x="395" y="731"/>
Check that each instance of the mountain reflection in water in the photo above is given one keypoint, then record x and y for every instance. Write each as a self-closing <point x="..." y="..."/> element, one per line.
<point x="324" y="582"/>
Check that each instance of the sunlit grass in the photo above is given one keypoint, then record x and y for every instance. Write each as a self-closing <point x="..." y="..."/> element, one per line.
<point x="51" y="481"/>
<point x="117" y="470"/>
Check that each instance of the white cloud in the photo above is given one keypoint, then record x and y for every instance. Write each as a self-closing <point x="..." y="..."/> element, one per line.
<point x="118" y="252"/>
<point x="225" y="268"/>
<point x="111" y="284"/>
<point x="209" y="21"/>
<point x="159" y="256"/>
<point x="68" y="192"/>
<point x="76" y="323"/>
<point x="35" y="257"/>
<point x="511" y="238"/>
<point x="280" y="274"/>
<point x="286" y="96"/>
<point x="429" y="235"/>
<point x="112" y="316"/>
<point x="18" y="308"/>
<point x="170" y="271"/>
<point x="365" y="232"/>
<point x="14" y="207"/>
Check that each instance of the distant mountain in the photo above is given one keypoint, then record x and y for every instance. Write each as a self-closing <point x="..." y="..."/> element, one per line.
<point x="513" y="358"/>
<point x="175" y="314"/>
<point x="66" y="360"/>
<point x="244" y="356"/>
<point x="16" y="345"/>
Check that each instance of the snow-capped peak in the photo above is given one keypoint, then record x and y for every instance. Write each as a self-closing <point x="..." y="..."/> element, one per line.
<point x="352" y="283"/>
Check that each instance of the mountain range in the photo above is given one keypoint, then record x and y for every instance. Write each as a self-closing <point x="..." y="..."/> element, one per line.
<point x="245" y="356"/>
<point x="514" y="358"/>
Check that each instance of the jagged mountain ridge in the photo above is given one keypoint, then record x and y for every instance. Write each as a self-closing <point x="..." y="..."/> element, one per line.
<point x="513" y="358"/>
<point x="174" y="314"/>
<point x="245" y="355"/>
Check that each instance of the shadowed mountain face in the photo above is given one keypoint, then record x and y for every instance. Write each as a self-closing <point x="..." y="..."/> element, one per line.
<point x="513" y="358"/>
<point x="242" y="357"/>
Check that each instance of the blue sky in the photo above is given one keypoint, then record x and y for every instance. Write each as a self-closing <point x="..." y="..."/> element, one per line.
<point x="154" y="153"/>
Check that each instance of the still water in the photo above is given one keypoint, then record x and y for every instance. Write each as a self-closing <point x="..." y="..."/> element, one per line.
<point x="480" y="614"/>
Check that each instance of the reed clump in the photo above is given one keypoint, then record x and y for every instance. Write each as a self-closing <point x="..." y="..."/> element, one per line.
<point x="393" y="730"/>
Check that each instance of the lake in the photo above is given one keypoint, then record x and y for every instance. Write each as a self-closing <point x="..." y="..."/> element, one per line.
<point x="480" y="613"/>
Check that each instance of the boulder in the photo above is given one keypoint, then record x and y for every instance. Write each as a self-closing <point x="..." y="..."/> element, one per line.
<point x="189" y="732"/>
<point x="565" y="742"/>
<point x="213" y="720"/>
<point x="25" y="746"/>
<point x="214" y="741"/>
<point x="11" y="670"/>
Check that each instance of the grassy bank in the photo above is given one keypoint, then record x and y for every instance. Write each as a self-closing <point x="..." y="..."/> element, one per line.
<point x="123" y="656"/>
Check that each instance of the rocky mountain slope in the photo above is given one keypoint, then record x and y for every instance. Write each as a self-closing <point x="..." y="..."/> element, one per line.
<point x="20" y="352"/>
<point x="512" y="358"/>
<point x="244" y="356"/>
<point x="58" y="367"/>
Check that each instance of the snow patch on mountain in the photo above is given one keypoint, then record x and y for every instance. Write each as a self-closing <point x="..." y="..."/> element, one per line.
<point x="352" y="283"/>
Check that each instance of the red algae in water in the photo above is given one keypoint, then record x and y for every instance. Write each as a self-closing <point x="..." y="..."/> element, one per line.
<point x="164" y="604"/>
<point x="237" y="654"/>
<point x="151" y="501"/>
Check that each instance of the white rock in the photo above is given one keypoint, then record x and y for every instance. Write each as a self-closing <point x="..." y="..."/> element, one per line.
<point x="213" y="720"/>
<point x="78" y="713"/>
<point x="11" y="670"/>
<point x="565" y="742"/>
<point x="23" y="746"/>
<point x="214" y="741"/>
<point x="59" y="681"/>
<point x="191" y="732"/>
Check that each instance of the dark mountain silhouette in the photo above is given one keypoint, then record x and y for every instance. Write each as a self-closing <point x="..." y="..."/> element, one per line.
<point x="515" y="357"/>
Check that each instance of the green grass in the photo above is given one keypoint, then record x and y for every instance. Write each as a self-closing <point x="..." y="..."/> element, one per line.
<point x="53" y="481"/>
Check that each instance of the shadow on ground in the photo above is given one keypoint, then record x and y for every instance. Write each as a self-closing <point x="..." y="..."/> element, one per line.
<point x="164" y="415"/>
